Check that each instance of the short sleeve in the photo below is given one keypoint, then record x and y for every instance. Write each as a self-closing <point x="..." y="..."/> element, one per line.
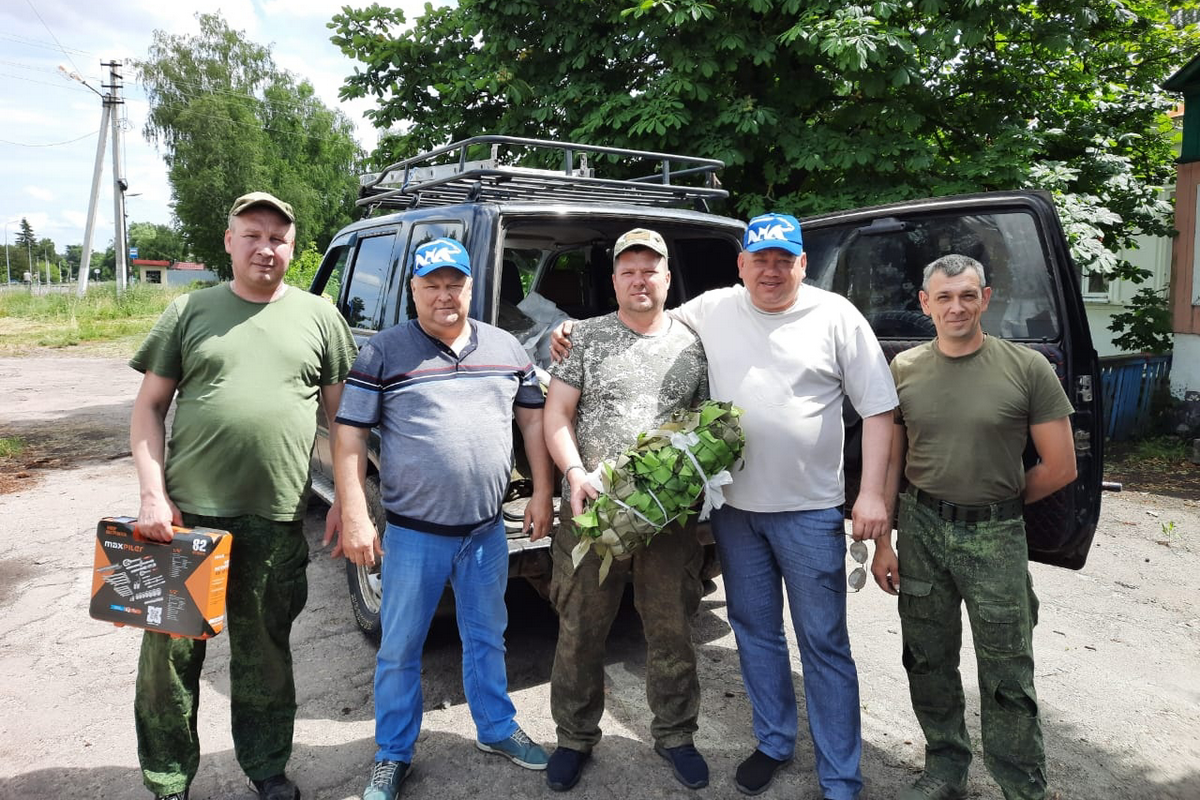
<point x="162" y="352"/>
<point x="340" y="349"/>
<point x="570" y="369"/>
<point x="363" y="395"/>
<point x="1048" y="401"/>
<point x="529" y="393"/>
<point x="867" y="381"/>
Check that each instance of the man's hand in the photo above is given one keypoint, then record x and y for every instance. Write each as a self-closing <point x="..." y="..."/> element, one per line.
<point x="560" y="340"/>
<point x="869" y="519"/>
<point x="581" y="490"/>
<point x="155" y="518"/>
<point x="358" y="541"/>
<point x="885" y="566"/>
<point x="539" y="515"/>
<point x="333" y="527"/>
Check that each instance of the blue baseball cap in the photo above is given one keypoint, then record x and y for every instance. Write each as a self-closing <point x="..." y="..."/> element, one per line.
<point x="774" y="230"/>
<point x="441" y="253"/>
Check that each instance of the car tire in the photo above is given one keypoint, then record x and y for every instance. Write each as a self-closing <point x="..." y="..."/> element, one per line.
<point x="366" y="588"/>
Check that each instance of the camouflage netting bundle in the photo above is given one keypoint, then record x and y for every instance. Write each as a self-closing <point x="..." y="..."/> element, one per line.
<point x="659" y="481"/>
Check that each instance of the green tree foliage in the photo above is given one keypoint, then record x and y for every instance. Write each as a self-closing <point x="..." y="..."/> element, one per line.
<point x="46" y="259"/>
<point x="814" y="106"/>
<point x="229" y="121"/>
<point x="21" y="242"/>
<point x="71" y="260"/>
<point x="157" y="242"/>
<point x="303" y="268"/>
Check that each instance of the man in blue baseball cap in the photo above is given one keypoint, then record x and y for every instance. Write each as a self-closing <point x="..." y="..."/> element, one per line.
<point x="438" y="387"/>
<point x="788" y="354"/>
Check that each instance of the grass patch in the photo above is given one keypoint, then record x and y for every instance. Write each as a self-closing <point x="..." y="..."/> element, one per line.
<point x="1160" y="448"/>
<point x="11" y="446"/>
<point x="62" y="319"/>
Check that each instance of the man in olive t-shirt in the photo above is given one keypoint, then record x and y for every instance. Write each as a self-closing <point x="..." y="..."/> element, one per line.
<point x="968" y="404"/>
<point x="245" y="363"/>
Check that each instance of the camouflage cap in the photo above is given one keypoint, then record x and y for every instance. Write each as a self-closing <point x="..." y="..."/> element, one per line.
<point x="640" y="237"/>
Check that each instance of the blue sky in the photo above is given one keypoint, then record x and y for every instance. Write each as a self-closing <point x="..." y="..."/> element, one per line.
<point x="48" y="139"/>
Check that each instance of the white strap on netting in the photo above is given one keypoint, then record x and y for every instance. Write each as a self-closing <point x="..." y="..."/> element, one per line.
<point x="594" y="479"/>
<point x="714" y="495"/>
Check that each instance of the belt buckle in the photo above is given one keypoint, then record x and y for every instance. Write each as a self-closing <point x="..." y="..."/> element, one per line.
<point x="947" y="511"/>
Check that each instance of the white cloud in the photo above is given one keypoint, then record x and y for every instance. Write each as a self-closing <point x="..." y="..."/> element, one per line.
<point x="40" y="193"/>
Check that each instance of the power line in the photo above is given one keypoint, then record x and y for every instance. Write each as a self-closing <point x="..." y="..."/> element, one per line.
<point x="33" y="8"/>
<point x="51" y="144"/>
<point x="31" y="42"/>
<point x="56" y="85"/>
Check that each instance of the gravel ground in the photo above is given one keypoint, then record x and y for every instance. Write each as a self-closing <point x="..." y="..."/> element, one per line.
<point x="1117" y="666"/>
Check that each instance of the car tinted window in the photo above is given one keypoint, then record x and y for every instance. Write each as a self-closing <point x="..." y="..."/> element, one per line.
<point x="423" y="232"/>
<point x="364" y="299"/>
<point x="703" y="264"/>
<point x="328" y="280"/>
<point x="879" y="267"/>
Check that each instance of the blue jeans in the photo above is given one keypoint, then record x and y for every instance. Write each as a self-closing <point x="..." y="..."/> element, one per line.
<point x="804" y="553"/>
<point x="416" y="567"/>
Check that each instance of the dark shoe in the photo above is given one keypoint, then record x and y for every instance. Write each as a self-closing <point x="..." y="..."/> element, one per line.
<point x="565" y="767"/>
<point x="755" y="774"/>
<point x="928" y="787"/>
<point x="386" y="777"/>
<point x="173" y="796"/>
<point x="276" y="787"/>
<point x="689" y="766"/>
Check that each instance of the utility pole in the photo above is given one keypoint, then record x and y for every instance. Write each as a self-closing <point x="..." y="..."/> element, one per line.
<point x="107" y="117"/>
<point x="120" y="245"/>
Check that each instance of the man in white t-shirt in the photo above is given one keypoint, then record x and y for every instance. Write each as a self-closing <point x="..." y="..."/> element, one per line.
<point x="788" y="354"/>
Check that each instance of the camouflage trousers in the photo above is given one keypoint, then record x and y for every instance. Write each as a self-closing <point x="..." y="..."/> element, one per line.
<point x="666" y="591"/>
<point x="984" y="565"/>
<point x="267" y="589"/>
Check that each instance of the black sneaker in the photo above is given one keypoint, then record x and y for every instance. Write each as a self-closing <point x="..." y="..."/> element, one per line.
<point x="689" y="766"/>
<point x="755" y="774"/>
<point x="565" y="767"/>
<point x="276" y="787"/>
<point x="173" y="796"/>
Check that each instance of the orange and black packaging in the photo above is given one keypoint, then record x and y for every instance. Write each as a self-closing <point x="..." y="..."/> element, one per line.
<point x="175" y="587"/>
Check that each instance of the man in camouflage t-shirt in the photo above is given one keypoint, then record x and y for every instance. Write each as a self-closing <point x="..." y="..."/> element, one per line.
<point x="627" y="372"/>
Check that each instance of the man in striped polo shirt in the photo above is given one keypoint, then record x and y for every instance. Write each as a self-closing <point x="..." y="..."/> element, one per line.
<point x="443" y="390"/>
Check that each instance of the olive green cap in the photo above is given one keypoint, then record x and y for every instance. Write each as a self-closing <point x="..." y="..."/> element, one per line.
<point x="252" y="199"/>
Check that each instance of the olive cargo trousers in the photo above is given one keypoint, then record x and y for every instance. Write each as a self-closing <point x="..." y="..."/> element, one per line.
<point x="985" y="564"/>
<point x="267" y="589"/>
<point x="666" y="591"/>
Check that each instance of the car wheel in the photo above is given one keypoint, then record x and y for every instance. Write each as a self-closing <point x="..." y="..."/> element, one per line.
<point x="366" y="586"/>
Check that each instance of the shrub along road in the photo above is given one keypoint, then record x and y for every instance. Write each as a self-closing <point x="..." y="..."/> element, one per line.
<point x="1116" y="653"/>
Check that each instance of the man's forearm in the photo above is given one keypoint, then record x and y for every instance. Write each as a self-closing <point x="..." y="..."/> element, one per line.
<point x="147" y="443"/>
<point x="895" y="470"/>
<point x="541" y="467"/>
<point x="560" y="443"/>
<point x="876" y="452"/>
<point x="350" y="467"/>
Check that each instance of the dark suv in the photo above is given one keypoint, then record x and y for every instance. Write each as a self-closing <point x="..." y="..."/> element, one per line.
<point x="541" y="248"/>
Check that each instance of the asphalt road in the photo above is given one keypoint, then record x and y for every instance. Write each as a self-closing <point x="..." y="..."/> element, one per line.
<point x="1117" y="648"/>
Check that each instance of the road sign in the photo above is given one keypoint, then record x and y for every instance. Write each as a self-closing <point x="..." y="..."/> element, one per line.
<point x="133" y="252"/>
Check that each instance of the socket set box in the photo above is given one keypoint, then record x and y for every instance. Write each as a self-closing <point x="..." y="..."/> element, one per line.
<point x="175" y="587"/>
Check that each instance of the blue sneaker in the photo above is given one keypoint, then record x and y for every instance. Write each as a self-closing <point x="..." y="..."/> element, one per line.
<point x="519" y="749"/>
<point x="386" y="777"/>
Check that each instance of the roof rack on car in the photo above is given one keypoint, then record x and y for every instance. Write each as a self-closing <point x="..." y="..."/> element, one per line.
<point x="444" y="176"/>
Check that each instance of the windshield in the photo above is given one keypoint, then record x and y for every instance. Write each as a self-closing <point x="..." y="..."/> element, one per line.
<point x="879" y="266"/>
